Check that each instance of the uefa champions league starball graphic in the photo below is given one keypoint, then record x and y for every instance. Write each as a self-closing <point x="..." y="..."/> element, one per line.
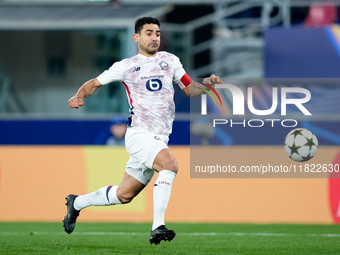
<point x="301" y="144"/>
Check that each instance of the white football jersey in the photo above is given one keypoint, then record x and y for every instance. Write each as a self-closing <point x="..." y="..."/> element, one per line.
<point x="149" y="88"/>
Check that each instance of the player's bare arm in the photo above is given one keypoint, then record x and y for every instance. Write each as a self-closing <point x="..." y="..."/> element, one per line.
<point x="193" y="89"/>
<point x="86" y="90"/>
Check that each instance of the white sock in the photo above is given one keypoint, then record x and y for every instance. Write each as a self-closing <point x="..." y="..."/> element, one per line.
<point x="161" y="196"/>
<point x="104" y="196"/>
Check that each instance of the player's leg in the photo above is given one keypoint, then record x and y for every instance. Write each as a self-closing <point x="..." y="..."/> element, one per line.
<point x="128" y="188"/>
<point x="76" y="203"/>
<point x="108" y="195"/>
<point x="166" y="164"/>
<point x="151" y="153"/>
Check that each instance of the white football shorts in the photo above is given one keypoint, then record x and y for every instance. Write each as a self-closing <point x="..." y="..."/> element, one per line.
<point x="143" y="147"/>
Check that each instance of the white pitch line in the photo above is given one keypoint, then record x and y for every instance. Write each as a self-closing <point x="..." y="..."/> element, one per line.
<point x="180" y="234"/>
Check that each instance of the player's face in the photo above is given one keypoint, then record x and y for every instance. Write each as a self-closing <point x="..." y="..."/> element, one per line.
<point x="149" y="39"/>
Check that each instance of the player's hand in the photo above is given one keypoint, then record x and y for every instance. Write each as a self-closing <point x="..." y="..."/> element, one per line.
<point x="212" y="80"/>
<point x="75" y="102"/>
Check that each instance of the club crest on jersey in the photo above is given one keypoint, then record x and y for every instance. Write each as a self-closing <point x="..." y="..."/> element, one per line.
<point x="164" y="65"/>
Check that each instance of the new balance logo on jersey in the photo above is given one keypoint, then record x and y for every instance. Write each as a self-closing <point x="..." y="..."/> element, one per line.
<point x="136" y="69"/>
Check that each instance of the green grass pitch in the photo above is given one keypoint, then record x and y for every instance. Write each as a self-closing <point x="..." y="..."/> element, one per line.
<point x="191" y="238"/>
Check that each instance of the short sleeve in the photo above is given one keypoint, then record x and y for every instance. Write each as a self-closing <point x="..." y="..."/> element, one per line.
<point x="114" y="73"/>
<point x="179" y="70"/>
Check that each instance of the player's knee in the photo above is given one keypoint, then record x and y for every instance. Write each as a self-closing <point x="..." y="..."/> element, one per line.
<point x="171" y="166"/>
<point x="125" y="198"/>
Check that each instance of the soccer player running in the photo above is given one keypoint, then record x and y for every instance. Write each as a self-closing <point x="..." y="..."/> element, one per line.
<point x="148" y="78"/>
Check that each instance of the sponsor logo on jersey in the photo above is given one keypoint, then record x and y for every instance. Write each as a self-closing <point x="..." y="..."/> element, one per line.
<point x="154" y="85"/>
<point x="156" y="76"/>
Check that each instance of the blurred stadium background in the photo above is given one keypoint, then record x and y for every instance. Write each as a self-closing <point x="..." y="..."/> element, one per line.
<point x="48" y="48"/>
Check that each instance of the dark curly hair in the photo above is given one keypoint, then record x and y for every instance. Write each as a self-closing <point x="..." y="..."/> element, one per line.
<point x="145" y="20"/>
